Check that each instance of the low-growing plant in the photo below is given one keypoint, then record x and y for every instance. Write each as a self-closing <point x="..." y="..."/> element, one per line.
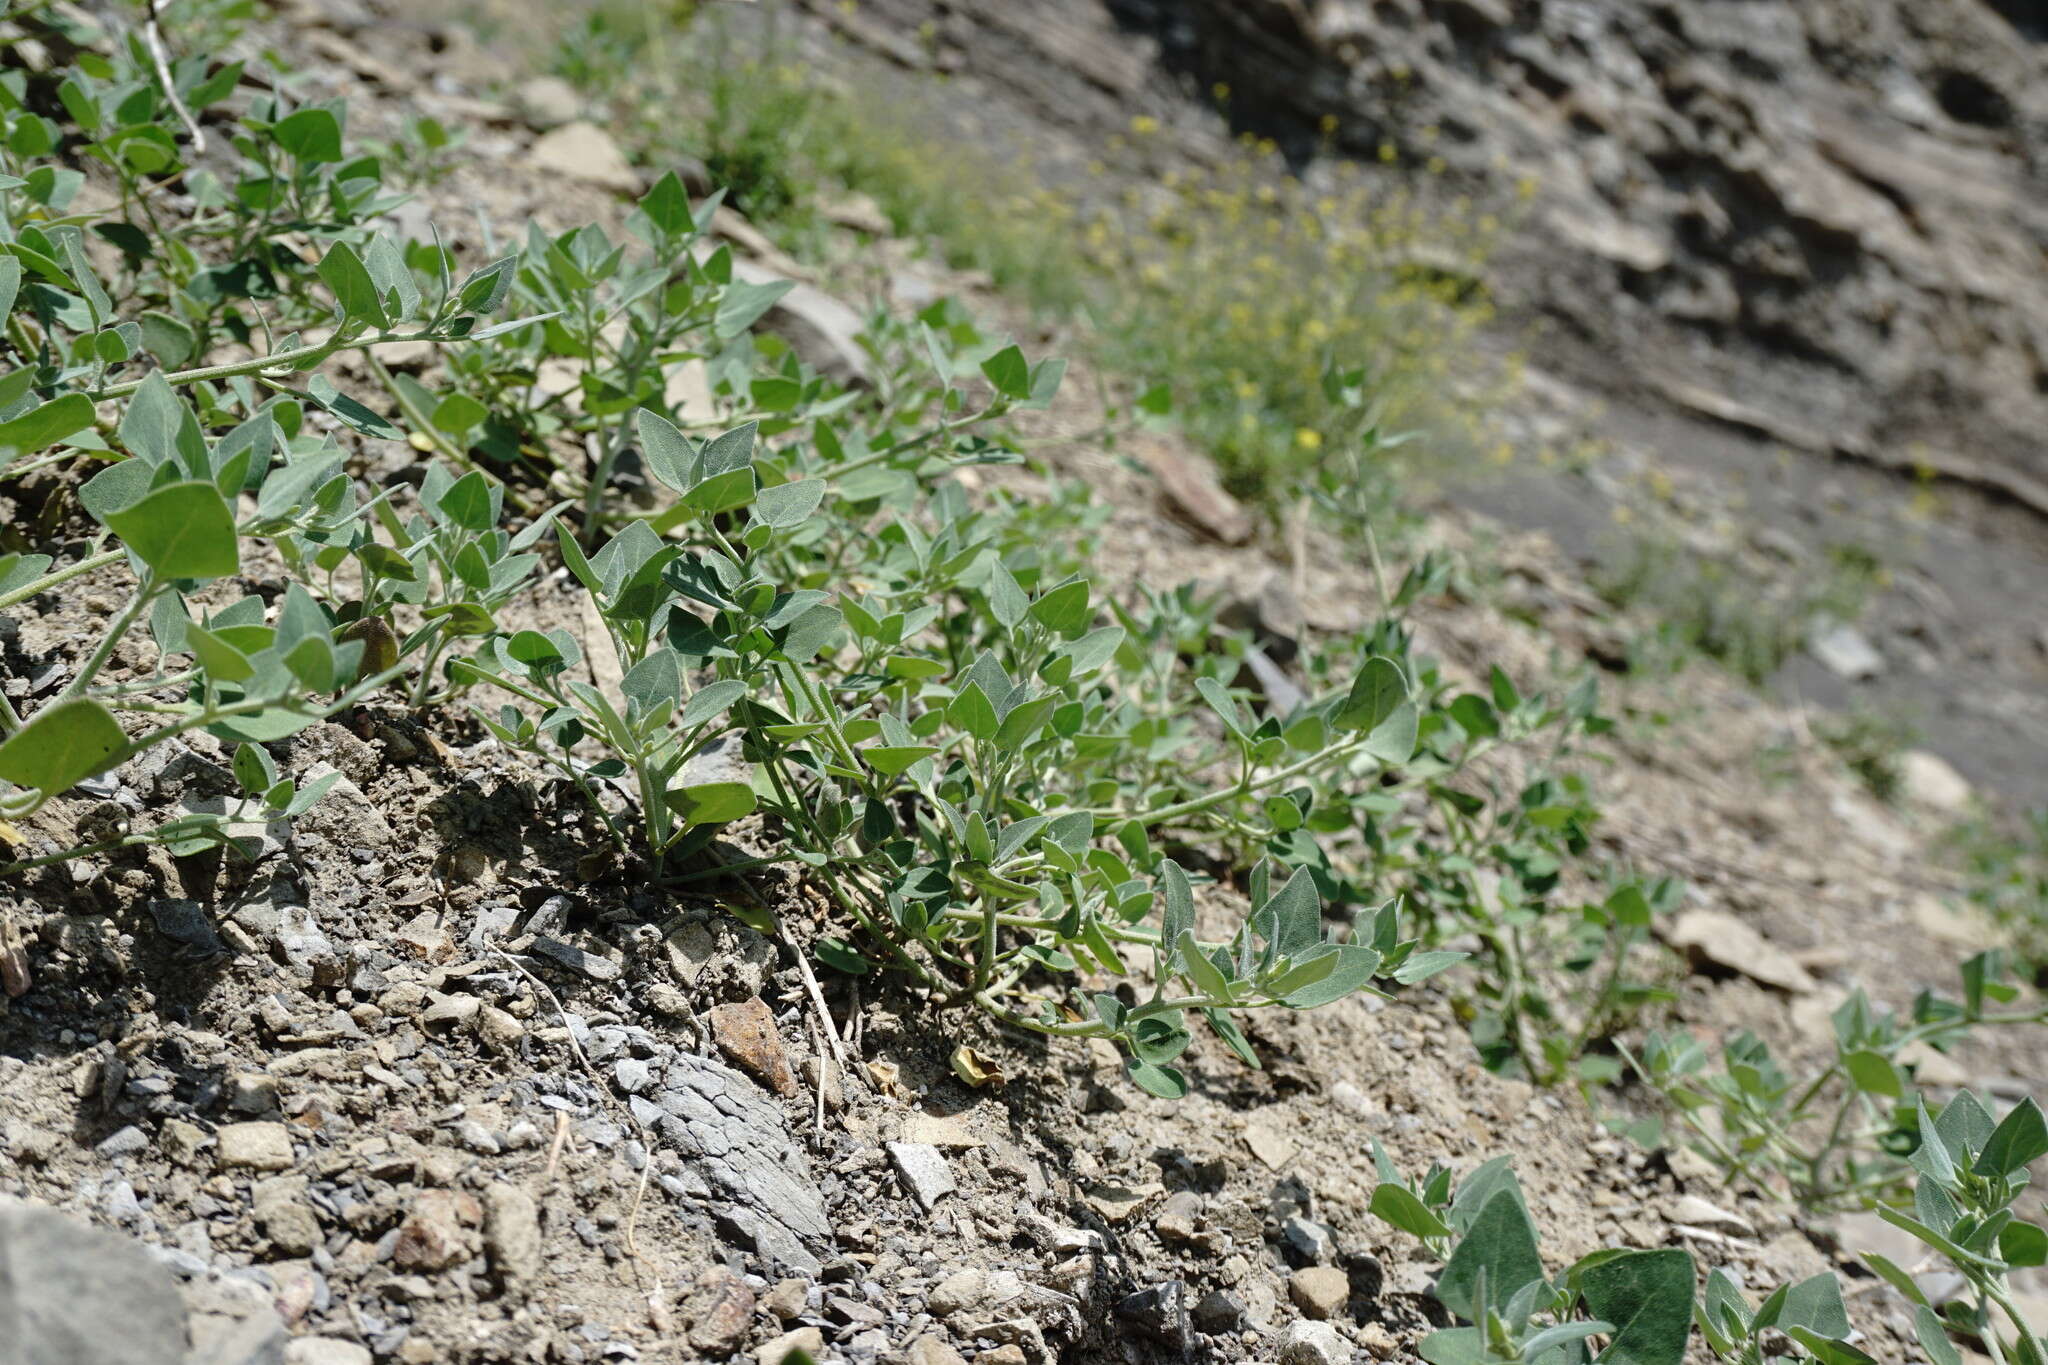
<point x="1843" y="1134"/>
<point x="2007" y="879"/>
<point x="1622" y="1305"/>
<point x="1972" y="1170"/>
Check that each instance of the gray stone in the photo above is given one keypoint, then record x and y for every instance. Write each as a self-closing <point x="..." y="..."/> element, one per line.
<point x="1161" y="1312"/>
<point x="548" y="101"/>
<point x="285" y="1216"/>
<point x="1314" y="1343"/>
<point x="1320" y="1291"/>
<point x="1843" y="651"/>
<point x="591" y="965"/>
<point x="326" y="1351"/>
<point x="924" y="1170"/>
<point x="1219" y="1312"/>
<point x="737" y="1140"/>
<point x="1308" y="1239"/>
<point x="60" y="1282"/>
<point x="123" y="1142"/>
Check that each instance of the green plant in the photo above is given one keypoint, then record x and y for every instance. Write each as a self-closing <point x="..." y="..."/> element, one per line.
<point x="1845" y="1132"/>
<point x="1642" y="1302"/>
<point x="1493" y="1279"/>
<point x="1972" y="1171"/>
<point x="2007" y="874"/>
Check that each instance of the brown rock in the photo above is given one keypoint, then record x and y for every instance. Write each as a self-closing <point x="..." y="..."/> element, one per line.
<point x="1716" y="938"/>
<point x="746" y="1033"/>
<point x="434" y="1234"/>
<point x="1188" y="486"/>
<point x="253" y="1147"/>
<point x="787" y="1299"/>
<point x="809" y="1340"/>
<point x="721" y="1312"/>
<point x="1320" y="1291"/>
<point x="584" y="151"/>
<point x="932" y="1350"/>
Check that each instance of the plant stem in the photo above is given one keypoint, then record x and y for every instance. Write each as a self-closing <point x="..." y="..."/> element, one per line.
<point x="59" y="576"/>
<point x="294" y="359"/>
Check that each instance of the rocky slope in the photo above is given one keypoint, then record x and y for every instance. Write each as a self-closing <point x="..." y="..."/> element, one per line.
<point x="1786" y="258"/>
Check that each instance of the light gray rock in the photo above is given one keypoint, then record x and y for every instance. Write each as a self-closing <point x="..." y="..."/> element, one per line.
<point x="736" y="1138"/>
<point x="1314" y="1343"/>
<point x="60" y="1281"/>
<point x="1843" y="651"/>
<point x="924" y="1170"/>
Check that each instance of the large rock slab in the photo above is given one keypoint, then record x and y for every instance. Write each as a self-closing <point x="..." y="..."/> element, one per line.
<point x="73" y="1295"/>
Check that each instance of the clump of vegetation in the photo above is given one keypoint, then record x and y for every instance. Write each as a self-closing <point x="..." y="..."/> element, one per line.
<point x="1083" y="813"/>
<point x="2008" y="880"/>
<point x="1748" y="622"/>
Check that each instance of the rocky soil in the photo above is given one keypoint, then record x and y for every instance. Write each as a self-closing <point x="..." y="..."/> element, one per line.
<point x="432" y="1083"/>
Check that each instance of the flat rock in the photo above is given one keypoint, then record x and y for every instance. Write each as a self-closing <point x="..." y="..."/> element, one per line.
<point x="1320" y="1291"/>
<point x="1191" y="493"/>
<point x="583" y="151"/>
<point x="325" y="1351"/>
<point x="746" y="1033"/>
<point x="809" y="1340"/>
<point x="924" y="1170"/>
<point x="1314" y="1343"/>
<point x="253" y="1147"/>
<point x="73" y="1295"/>
<point x="512" y="1236"/>
<point x="737" y="1139"/>
<point x="592" y="965"/>
<point x="1160" y="1312"/>
<point x="1929" y="781"/>
<point x="1714" y="938"/>
<point x="1843" y="651"/>
<point x="547" y="102"/>
<point x="824" y="331"/>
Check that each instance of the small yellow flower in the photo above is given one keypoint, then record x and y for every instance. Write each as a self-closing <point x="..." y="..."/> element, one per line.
<point x="1308" y="438"/>
<point x="1220" y="90"/>
<point x="1144" y="125"/>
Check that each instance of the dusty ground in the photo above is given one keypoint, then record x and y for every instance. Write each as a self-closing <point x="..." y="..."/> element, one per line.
<point x="432" y="1081"/>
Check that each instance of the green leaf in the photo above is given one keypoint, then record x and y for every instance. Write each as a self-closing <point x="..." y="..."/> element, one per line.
<point x="1206" y="976"/>
<point x="1392" y="741"/>
<point x="182" y="530"/>
<point x="711" y="803"/>
<point x="254" y="768"/>
<point x="2017" y="1141"/>
<point x="789" y="504"/>
<point x="62" y="745"/>
<point x="1379" y="689"/>
<point x="711" y="701"/>
<point x="42" y="427"/>
<point x="1934" y="1338"/>
<point x="344" y="273"/>
<point x="892" y="759"/>
<point x="1064" y="610"/>
<point x="840" y="957"/>
<point x="1298" y="914"/>
<point x="670" y="455"/>
<point x="1009" y="372"/>
<point x="467" y="503"/>
<point x="1164" y="1081"/>
<point x="1005" y="599"/>
<point x="1648" y="1296"/>
<point x="2022" y="1244"/>
<point x="972" y="711"/>
<point x="1873" y="1073"/>
<point x="1219" y="701"/>
<point x="1397" y="1205"/>
<point x="221" y="660"/>
<point x="1500" y="1248"/>
<point x="742" y="305"/>
<point x="310" y="136"/>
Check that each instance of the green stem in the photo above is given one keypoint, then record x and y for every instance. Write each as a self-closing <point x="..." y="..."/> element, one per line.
<point x="60" y="576"/>
<point x="296" y="359"/>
